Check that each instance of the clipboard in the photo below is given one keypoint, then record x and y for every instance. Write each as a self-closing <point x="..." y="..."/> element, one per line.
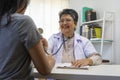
<point x="70" y="67"/>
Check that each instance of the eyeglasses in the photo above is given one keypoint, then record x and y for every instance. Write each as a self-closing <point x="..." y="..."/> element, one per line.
<point x="66" y="20"/>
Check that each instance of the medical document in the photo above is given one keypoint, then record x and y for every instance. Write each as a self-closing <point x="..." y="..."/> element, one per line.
<point x="69" y="66"/>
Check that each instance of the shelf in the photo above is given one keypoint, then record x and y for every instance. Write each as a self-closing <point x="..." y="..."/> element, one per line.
<point x="104" y="43"/>
<point x="95" y="21"/>
<point x="100" y="40"/>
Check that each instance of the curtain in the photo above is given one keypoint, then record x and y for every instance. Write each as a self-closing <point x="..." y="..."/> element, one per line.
<point x="45" y="14"/>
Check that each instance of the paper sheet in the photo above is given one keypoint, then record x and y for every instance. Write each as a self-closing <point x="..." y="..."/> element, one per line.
<point x="69" y="66"/>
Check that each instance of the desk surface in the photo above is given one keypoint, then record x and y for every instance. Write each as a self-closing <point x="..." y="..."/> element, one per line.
<point x="99" y="72"/>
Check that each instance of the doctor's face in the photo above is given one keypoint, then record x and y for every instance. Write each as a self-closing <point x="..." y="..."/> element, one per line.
<point x="67" y="25"/>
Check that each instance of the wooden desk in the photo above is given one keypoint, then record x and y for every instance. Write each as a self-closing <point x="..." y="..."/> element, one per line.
<point x="100" y="72"/>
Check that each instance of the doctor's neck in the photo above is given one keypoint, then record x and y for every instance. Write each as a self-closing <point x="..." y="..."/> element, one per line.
<point x="68" y="36"/>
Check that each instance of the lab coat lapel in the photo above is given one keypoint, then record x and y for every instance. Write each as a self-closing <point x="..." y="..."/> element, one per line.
<point x="77" y="46"/>
<point x="59" y="42"/>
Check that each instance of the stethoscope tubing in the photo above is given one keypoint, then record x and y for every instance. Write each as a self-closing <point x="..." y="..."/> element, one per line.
<point x="58" y="48"/>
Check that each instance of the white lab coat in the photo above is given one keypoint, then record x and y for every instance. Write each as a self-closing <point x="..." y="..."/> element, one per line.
<point x="83" y="48"/>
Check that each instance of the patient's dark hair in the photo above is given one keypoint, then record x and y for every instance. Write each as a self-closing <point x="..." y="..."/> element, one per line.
<point x="70" y="12"/>
<point x="8" y="7"/>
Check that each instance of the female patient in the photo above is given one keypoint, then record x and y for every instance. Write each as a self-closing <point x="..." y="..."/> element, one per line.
<point x="68" y="46"/>
<point x="20" y="42"/>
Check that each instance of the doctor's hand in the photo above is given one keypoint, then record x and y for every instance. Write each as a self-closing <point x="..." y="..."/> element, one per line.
<point x="82" y="62"/>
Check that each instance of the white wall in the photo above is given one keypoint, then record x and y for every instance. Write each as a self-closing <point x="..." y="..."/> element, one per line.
<point x="100" y="6"/>
<point x="45" y="14"/>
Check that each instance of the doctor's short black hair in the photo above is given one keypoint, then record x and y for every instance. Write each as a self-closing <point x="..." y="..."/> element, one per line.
<point x="70" y="12"/>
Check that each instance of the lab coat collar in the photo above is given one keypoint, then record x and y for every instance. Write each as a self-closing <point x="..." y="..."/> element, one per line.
<point x="58" y="36"/>
<point x="77" y="38"/>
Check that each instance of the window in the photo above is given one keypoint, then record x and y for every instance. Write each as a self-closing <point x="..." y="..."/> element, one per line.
<point x="45" y="14"/>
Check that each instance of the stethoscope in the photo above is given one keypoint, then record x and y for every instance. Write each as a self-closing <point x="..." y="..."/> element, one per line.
<point x="59" y="47"/>
<point x="64" y="40"/>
